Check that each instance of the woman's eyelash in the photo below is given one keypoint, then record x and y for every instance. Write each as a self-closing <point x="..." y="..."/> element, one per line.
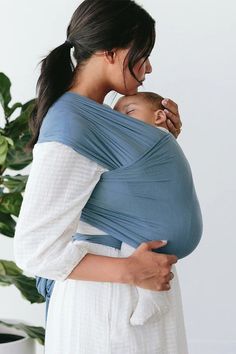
<point x="130" y="111"/>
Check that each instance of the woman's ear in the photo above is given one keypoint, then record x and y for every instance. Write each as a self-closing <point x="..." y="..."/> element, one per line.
<point x="160" y="117"/>
<point x="109" y="56"/>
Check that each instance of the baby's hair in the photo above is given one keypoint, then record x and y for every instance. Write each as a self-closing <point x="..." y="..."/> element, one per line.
<point x="153" y="98"/>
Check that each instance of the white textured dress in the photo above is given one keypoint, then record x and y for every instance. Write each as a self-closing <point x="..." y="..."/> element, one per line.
<point x="84" y="317"/>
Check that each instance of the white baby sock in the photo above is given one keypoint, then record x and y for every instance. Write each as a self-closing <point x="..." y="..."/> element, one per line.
<point x="149" y="303"/>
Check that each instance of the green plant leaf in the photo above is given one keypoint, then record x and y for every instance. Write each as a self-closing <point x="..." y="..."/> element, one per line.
<point x="20" y="125"/>
<point x="7" y="225"/>
<point x="5" y="95"/>
<point x="17" y="159"/>
<point x="11" y="274"/>
<point x="16" y="183"/>
<point x="9" y="140"/>
<point x="37" y="333"/>
<point x="30" y="104"/>
<point x="10" y="203"/>
<point x="27" y="287"/>
<point x="9" y="268"/>
<point x="18" y="130"/>
<point x="13" y="108"/>
<point x="3" y="149"/>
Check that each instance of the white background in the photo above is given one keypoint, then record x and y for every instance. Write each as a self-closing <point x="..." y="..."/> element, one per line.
<point x="194" y="64"/>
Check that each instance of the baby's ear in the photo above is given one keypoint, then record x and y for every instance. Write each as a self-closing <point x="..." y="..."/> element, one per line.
<point x="160" y="117"/>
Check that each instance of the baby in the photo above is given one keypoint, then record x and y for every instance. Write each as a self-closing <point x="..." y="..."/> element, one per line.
<point x="147" y="107"/>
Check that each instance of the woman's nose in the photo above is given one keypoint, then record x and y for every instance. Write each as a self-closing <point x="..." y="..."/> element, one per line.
<point x="148" y="67"/>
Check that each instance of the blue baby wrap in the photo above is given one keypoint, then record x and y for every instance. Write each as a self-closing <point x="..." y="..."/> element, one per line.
<point x="148" y="191"/>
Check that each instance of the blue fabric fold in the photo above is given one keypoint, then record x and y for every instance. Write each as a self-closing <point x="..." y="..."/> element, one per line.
<point x="45" y="287"/>
<point x="148" y="191"/>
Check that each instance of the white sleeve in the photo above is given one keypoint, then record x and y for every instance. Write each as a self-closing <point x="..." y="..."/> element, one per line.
<point x="59" y="184"/>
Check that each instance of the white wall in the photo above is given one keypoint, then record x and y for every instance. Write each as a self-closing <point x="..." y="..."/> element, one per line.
<point x="193" y="63"/>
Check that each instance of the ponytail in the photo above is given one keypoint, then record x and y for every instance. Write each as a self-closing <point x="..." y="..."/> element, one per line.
<point x="55" y="78"/>
<point x="95" y="25"/>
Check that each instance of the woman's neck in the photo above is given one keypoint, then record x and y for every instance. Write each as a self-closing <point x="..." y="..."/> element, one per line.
<point x="89" y="81"/>
<point x="95" y="94"/>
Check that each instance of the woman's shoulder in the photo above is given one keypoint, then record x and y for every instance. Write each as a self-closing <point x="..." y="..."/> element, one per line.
<point x="67" y="122"/>
<point x="63" y="117"/>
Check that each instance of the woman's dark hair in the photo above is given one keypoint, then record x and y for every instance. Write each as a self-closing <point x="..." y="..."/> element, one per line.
<point x="95" y="25"/>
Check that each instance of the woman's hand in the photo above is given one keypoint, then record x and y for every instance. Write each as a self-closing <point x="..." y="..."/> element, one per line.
<point x="151" y="270"/>
<point x="173" y="118"/>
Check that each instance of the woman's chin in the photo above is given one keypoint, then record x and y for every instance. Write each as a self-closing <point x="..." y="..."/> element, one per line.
<point x="129" y="91"/>
<point x="132" y="91"/>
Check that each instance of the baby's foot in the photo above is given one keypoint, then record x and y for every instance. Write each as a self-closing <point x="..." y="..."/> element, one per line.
<point x="150" y="303"/>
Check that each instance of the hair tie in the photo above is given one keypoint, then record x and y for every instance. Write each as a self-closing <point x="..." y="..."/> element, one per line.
<point x="68" y="43"/>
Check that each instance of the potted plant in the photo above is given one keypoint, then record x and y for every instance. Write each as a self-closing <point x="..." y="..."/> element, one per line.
<point x="15" y="337"/>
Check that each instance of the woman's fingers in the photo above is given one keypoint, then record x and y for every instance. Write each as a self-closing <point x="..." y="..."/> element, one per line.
<point x="168" y="277"/>
<point x="166" y="286"/>
<point x="171" y="106"/>
<point x="173" y="119"/>
<point x="172" y="128"/>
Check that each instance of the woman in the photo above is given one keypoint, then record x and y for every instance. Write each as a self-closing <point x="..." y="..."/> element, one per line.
<point x="94" y="291"/>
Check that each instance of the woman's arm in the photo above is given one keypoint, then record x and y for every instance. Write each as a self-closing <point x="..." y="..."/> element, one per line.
<point x="142" y="268"/>
<point x="101" y="268"/>
<point x="59" y="184"/>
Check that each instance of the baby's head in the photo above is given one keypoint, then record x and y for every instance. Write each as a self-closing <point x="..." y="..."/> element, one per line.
<point x="145" y="106"/>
